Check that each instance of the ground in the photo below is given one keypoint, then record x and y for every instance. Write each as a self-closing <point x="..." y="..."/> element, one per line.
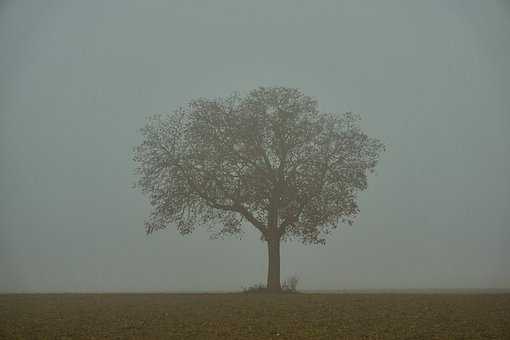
<point x="255" y="316"/>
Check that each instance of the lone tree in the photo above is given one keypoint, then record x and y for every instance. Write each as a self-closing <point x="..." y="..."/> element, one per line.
<point x="269" y="159"/>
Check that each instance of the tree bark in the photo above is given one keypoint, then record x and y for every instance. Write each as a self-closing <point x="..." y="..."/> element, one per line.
<point x="273" y="272"/>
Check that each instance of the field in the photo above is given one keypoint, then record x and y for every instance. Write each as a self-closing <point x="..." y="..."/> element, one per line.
<point x="255" y="316"/>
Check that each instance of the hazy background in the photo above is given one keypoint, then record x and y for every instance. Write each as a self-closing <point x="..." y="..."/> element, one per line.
<point x="78" y="79"/>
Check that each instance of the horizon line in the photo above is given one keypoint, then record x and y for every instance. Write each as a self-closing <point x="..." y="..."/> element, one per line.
<point x="304" y="291"/>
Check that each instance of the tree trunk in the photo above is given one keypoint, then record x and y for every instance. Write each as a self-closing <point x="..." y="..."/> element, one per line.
<point x="273" y="272"/>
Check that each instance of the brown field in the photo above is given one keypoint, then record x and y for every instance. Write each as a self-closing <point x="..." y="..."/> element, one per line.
<point x="255" y="316"/>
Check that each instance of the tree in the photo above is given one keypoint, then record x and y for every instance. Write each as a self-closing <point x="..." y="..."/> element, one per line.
<point x="269" y="159"/>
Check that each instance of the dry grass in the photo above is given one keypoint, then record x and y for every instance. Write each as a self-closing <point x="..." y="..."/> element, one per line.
<point x="255" y="316"/>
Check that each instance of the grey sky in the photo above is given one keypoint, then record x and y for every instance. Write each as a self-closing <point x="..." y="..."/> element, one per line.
<point x="77" y="79"/>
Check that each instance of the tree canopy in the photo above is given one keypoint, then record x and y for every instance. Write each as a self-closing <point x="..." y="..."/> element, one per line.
<point x="269" y="158"/>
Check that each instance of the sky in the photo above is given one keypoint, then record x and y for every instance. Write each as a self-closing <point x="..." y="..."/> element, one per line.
<point x="431" y="79"/>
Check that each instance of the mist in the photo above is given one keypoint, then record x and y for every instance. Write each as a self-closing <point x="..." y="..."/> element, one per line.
<point x="79" y="78"/>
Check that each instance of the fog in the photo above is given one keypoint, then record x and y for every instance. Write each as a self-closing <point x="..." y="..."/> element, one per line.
<point x="431" y="79"/>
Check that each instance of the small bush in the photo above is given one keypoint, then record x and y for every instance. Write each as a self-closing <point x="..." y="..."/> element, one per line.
<point x="290" y="284"/>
